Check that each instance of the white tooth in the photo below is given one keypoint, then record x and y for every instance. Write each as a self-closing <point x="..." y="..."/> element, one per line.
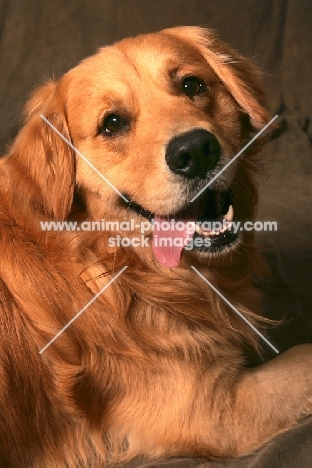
<point x="198" y="229"/>
<point x="230" y="214"/>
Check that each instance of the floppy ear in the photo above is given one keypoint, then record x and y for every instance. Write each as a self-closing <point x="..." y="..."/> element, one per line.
<point x="41" y="165"/>
<point x="238" y="75"/>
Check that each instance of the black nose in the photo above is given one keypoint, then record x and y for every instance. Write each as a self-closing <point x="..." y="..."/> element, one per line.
<point x="193" y="153"/>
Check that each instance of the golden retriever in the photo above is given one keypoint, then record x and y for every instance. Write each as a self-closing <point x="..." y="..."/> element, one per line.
<point x="150" y="362"/>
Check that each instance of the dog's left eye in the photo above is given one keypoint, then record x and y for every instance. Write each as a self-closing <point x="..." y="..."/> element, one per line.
<point x="113" y="124"/>
<point x="192" y="86"/>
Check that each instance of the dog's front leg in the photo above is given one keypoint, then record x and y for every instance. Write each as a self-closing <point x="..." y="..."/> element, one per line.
<point x="222" y="410"/>
<point x="272" y="397"/>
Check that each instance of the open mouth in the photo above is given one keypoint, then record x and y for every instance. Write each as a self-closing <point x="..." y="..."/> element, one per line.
<point x="215" y="221"/>
<point x="204" y="226"/>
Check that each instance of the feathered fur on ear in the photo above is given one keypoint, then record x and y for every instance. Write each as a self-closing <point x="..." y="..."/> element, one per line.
<point x="239" y="76"/>
<point x="41" y="165"/>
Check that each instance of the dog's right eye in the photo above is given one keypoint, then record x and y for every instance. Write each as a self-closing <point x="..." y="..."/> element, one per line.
<point x="113" y="124"/>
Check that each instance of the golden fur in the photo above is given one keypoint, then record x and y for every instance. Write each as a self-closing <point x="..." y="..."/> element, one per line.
<point x="155" y="365"/>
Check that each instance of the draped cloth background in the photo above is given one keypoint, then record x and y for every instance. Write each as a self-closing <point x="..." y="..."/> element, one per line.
<point x="44" y="38"/>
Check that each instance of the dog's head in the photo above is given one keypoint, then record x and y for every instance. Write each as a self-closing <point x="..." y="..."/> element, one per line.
<point x="159" y="116"/>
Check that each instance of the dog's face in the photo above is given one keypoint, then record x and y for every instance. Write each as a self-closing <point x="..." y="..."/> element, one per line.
<point x="155" y="120"/>
<point x="159" y="116"/>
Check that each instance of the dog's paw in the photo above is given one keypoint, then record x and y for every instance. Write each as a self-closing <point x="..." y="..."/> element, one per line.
<point x="302" y="356"/>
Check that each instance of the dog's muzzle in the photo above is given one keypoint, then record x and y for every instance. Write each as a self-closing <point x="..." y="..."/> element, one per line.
<point x="193" y="154"/>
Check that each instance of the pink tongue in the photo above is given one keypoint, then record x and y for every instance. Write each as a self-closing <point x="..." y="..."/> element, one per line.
<point x="168" y="241"/>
